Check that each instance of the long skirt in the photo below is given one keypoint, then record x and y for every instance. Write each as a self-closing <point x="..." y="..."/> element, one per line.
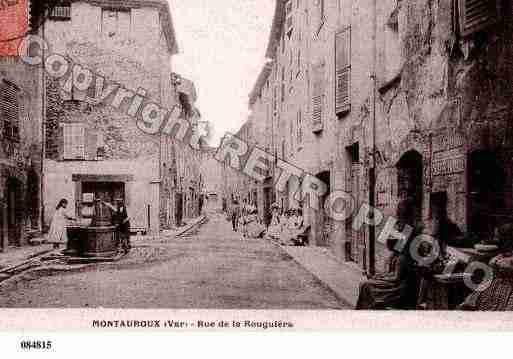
<point x="58" y="233"/>
<point x="379" y="294"/>
<point x="273" y="232"/>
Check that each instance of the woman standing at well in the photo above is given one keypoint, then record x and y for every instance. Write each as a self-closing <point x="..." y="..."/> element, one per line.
<point x="58" y="234"/>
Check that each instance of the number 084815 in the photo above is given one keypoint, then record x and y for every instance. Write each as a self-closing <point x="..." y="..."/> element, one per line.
<point x="36" y="345"/>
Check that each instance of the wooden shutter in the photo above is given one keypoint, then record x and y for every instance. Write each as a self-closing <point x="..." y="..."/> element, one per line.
<point x="343" y="71"/>
<point x="317" y="97"/>
<point x="10" y="109"/>
<point x="475" y="15"/>
<point x="74" y="141"/>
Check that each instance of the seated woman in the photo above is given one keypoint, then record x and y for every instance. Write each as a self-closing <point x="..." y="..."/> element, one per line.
<point x="254" y="229"/>
<point x="398" y="286"/>
<point x="498" y="296"/>
<point x="274" y="231"/>
<point x="288" y="226"/>
<point x="390" y="289"/>
<point x="295" y="226"/>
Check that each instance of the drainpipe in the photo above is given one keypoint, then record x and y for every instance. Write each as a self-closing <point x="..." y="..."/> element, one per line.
<point x="372" y="170"/>
<point x="43" y="135"/>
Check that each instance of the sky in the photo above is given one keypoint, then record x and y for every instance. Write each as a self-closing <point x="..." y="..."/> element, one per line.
<point x="222" y="47"/>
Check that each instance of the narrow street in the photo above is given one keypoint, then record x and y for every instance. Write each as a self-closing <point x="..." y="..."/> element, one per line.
<point x="209" y="268"/>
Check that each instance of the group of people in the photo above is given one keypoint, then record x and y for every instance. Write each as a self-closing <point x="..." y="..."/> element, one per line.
<point x="57" y="234"/>
<point x="408" y="284"/>
<point x="286" y="226"/>
<point x="245" y="218"/>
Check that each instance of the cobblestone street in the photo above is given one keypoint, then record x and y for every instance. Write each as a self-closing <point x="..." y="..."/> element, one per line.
<point x="210" y="268"/>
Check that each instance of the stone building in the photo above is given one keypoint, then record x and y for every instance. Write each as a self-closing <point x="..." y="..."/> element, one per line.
<point x="417" y="89"/>
<point x="92" y="147"/>
<point x="186" y="179"/>
<point x="237" y="185"/>
<point x="21" y="131"/>
<point x="20" y="151"/>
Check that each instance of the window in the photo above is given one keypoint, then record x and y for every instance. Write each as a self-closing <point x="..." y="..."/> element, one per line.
<point x="116" y="21"/>
<point x="291" y="135"/>
<point x="10" y="110"/>
<point x="74" y="141"/>
<point x="343" y="72"/>
<point x="61" y="11"/>
<point x="318" y="97"/>
<point x="289" y="21"/>
<point x="299" y="128"/>
<point x="475" y="15"/>
<point x="298" y="60"/>
<point x="79" y="142"/>
<point x="283" y="84"/>
<point x="275" y="100"/>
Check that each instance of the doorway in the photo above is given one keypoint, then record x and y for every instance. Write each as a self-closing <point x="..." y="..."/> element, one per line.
<point x="33" y="200"/>
<point x="355" y="240"/>
<point x="324" y="222"/>
<point x="267" y="204"/>
<point x="14" y="212"/>
<point x="410" y="183"/>
<point x="487" y="193"/>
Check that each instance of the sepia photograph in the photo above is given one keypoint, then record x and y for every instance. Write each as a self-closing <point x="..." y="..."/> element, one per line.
<point x="313" y="158"/>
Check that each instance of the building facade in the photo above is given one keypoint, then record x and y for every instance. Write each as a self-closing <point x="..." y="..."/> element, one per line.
<point x="95" y="148"/>
<point x="415" y="90"/>
<point x="21" y="134"/>
<point x="20" y="151"/>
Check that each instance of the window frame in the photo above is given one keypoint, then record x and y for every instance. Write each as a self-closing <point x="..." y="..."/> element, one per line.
<point x="343" y="109"/>
<point x="10" y="131"/>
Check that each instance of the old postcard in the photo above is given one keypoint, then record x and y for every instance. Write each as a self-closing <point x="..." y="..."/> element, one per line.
<point x="255" y="165"/>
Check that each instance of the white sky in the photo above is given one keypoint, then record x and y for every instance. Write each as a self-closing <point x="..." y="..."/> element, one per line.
<point x="222" y="49"/>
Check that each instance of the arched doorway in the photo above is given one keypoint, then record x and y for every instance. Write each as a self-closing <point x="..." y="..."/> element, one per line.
<point x="410" y="182"/>
<point x="487" y="191"/>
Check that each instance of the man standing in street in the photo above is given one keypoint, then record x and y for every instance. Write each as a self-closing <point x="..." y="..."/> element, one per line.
<point x="235" y="214"/>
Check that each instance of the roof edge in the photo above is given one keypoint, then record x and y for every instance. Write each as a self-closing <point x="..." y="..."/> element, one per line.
<point x="261" y="80"/>
<point x="275" y="35"/>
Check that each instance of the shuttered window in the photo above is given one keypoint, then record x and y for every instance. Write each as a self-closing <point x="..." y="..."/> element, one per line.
<point x="475" y="15"/>
<point x="343" y="72"/>
<point x="79" y="142"/>
<point x="318" y="96"/>
<point x="61" y="11"/>
<point x="10" y="110"/>
<point x="74" y="141"/>
<point x="299" y="129"/>
<point x="289" y="22"/>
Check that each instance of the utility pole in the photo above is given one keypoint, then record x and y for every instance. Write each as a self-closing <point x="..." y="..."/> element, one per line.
<point x="372" y="169"/>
